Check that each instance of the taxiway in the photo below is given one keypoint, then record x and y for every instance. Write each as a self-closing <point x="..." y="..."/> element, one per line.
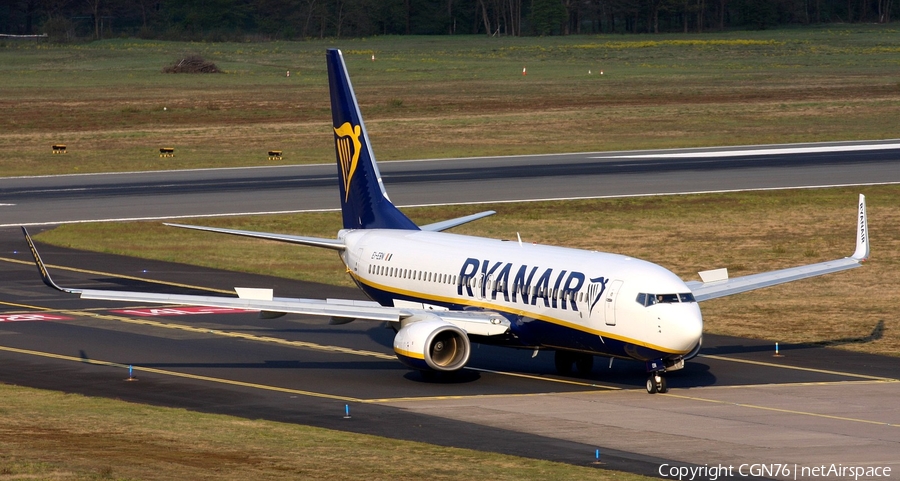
<point x="736" y="403"/>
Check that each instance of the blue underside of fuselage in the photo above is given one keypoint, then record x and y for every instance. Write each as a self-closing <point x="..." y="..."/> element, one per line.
<point x="529" y="332"/>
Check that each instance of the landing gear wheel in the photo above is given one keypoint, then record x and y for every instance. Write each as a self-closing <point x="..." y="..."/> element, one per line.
<point x="656" y="384"/>
<point x="584" y="363"/>
<point x="564" y="361"/>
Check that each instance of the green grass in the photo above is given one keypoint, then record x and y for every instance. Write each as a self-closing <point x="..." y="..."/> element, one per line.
<point x="48" y="435"/>
<point x="746" y="232"/>
<point x="443" y="96"/>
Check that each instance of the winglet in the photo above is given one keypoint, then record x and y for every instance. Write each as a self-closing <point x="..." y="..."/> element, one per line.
<point x="862" y="232"/>
<point x="45" y="276"/>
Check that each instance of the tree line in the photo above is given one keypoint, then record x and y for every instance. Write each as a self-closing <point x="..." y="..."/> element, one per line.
<point x="213" y="20"/>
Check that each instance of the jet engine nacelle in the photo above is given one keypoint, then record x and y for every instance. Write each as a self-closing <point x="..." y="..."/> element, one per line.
<point x="430" y="343"/>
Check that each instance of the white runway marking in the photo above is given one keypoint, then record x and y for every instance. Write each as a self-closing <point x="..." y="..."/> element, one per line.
<point x="746" y="152"/>
<point x="410" y="206"/>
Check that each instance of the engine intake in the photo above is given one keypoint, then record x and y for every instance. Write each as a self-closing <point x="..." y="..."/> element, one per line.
<point x="432" y="344"/>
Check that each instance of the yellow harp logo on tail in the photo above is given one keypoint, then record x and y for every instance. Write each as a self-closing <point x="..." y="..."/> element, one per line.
<point x="347" y="144"/>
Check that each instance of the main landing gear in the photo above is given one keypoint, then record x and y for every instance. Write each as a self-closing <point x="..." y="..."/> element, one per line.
<point x="656" y="384"/>
<point x="564" y="360"/>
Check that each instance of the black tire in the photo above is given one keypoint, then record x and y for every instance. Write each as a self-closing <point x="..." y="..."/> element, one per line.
<point x="663" y="386"/>
<point x="564" y="361"/>
<point x="584" y="364"/>
<point x="652" y="388"/>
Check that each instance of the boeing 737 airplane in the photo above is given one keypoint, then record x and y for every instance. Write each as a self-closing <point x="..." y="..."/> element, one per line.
<point x="443" y="291"/>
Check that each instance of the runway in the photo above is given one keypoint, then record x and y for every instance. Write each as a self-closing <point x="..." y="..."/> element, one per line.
<point x="735" y="404"/>
<point x="301" y="188"/>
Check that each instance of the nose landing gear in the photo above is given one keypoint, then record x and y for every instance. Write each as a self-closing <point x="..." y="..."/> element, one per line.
<point x="656" y="384"/>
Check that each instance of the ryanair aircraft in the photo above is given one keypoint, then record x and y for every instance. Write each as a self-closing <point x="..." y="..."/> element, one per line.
<point x="444" y="291"/>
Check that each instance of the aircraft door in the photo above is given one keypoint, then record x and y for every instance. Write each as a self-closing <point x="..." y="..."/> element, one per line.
<point x="609" y="304"/>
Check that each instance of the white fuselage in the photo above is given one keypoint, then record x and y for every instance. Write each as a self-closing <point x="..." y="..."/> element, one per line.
<point x="554" y="297"/>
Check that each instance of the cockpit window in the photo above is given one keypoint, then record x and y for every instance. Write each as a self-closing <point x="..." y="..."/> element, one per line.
<point x="651" y="299"/>
<point x="646" y="299"/>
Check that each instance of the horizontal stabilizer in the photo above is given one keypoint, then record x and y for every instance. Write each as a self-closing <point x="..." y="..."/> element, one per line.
<point x="447" y="224"/>
<point x="334" y="244"/>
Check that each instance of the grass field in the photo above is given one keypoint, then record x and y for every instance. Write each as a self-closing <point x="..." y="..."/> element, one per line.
<point x="443" y="96"/>
<point x="53" y="436"/>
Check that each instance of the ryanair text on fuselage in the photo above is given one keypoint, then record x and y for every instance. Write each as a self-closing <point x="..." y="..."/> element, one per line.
<point x="527" y="285"/>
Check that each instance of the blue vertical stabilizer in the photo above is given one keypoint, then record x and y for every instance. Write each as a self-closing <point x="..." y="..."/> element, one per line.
<point x="364" y="202"/>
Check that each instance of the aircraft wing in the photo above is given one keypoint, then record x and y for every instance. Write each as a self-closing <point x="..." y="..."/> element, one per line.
<point x="717" y="284"/>
<point x="482" y="323"/>
<point x="315" y="307"/>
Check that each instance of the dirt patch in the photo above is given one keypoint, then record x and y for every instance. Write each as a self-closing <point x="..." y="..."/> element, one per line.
<point x="191" y="64"/>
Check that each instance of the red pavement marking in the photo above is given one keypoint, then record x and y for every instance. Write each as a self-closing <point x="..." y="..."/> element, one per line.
<point x="180" y="311"/>
<point x="32" y="316"/>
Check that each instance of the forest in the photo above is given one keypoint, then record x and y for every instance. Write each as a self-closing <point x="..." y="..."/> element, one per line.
<point x="248" y="20"/>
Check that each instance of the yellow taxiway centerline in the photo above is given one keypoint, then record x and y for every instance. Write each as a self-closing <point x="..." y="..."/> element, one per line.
<point x="780" y="410"/>
<point x="343" y="350"/>
<point x="122" y="276"/>
<point x="180" y="374"/>
<point x="284" y="342"/>
<point x="265" y="387"/>
<point x="796" y="368"/>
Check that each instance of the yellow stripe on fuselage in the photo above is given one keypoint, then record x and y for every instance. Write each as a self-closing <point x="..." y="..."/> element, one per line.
<point x="519" y="312"/>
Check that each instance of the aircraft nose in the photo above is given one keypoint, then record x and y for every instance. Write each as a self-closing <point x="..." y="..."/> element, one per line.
<point x="689" y="327"/>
